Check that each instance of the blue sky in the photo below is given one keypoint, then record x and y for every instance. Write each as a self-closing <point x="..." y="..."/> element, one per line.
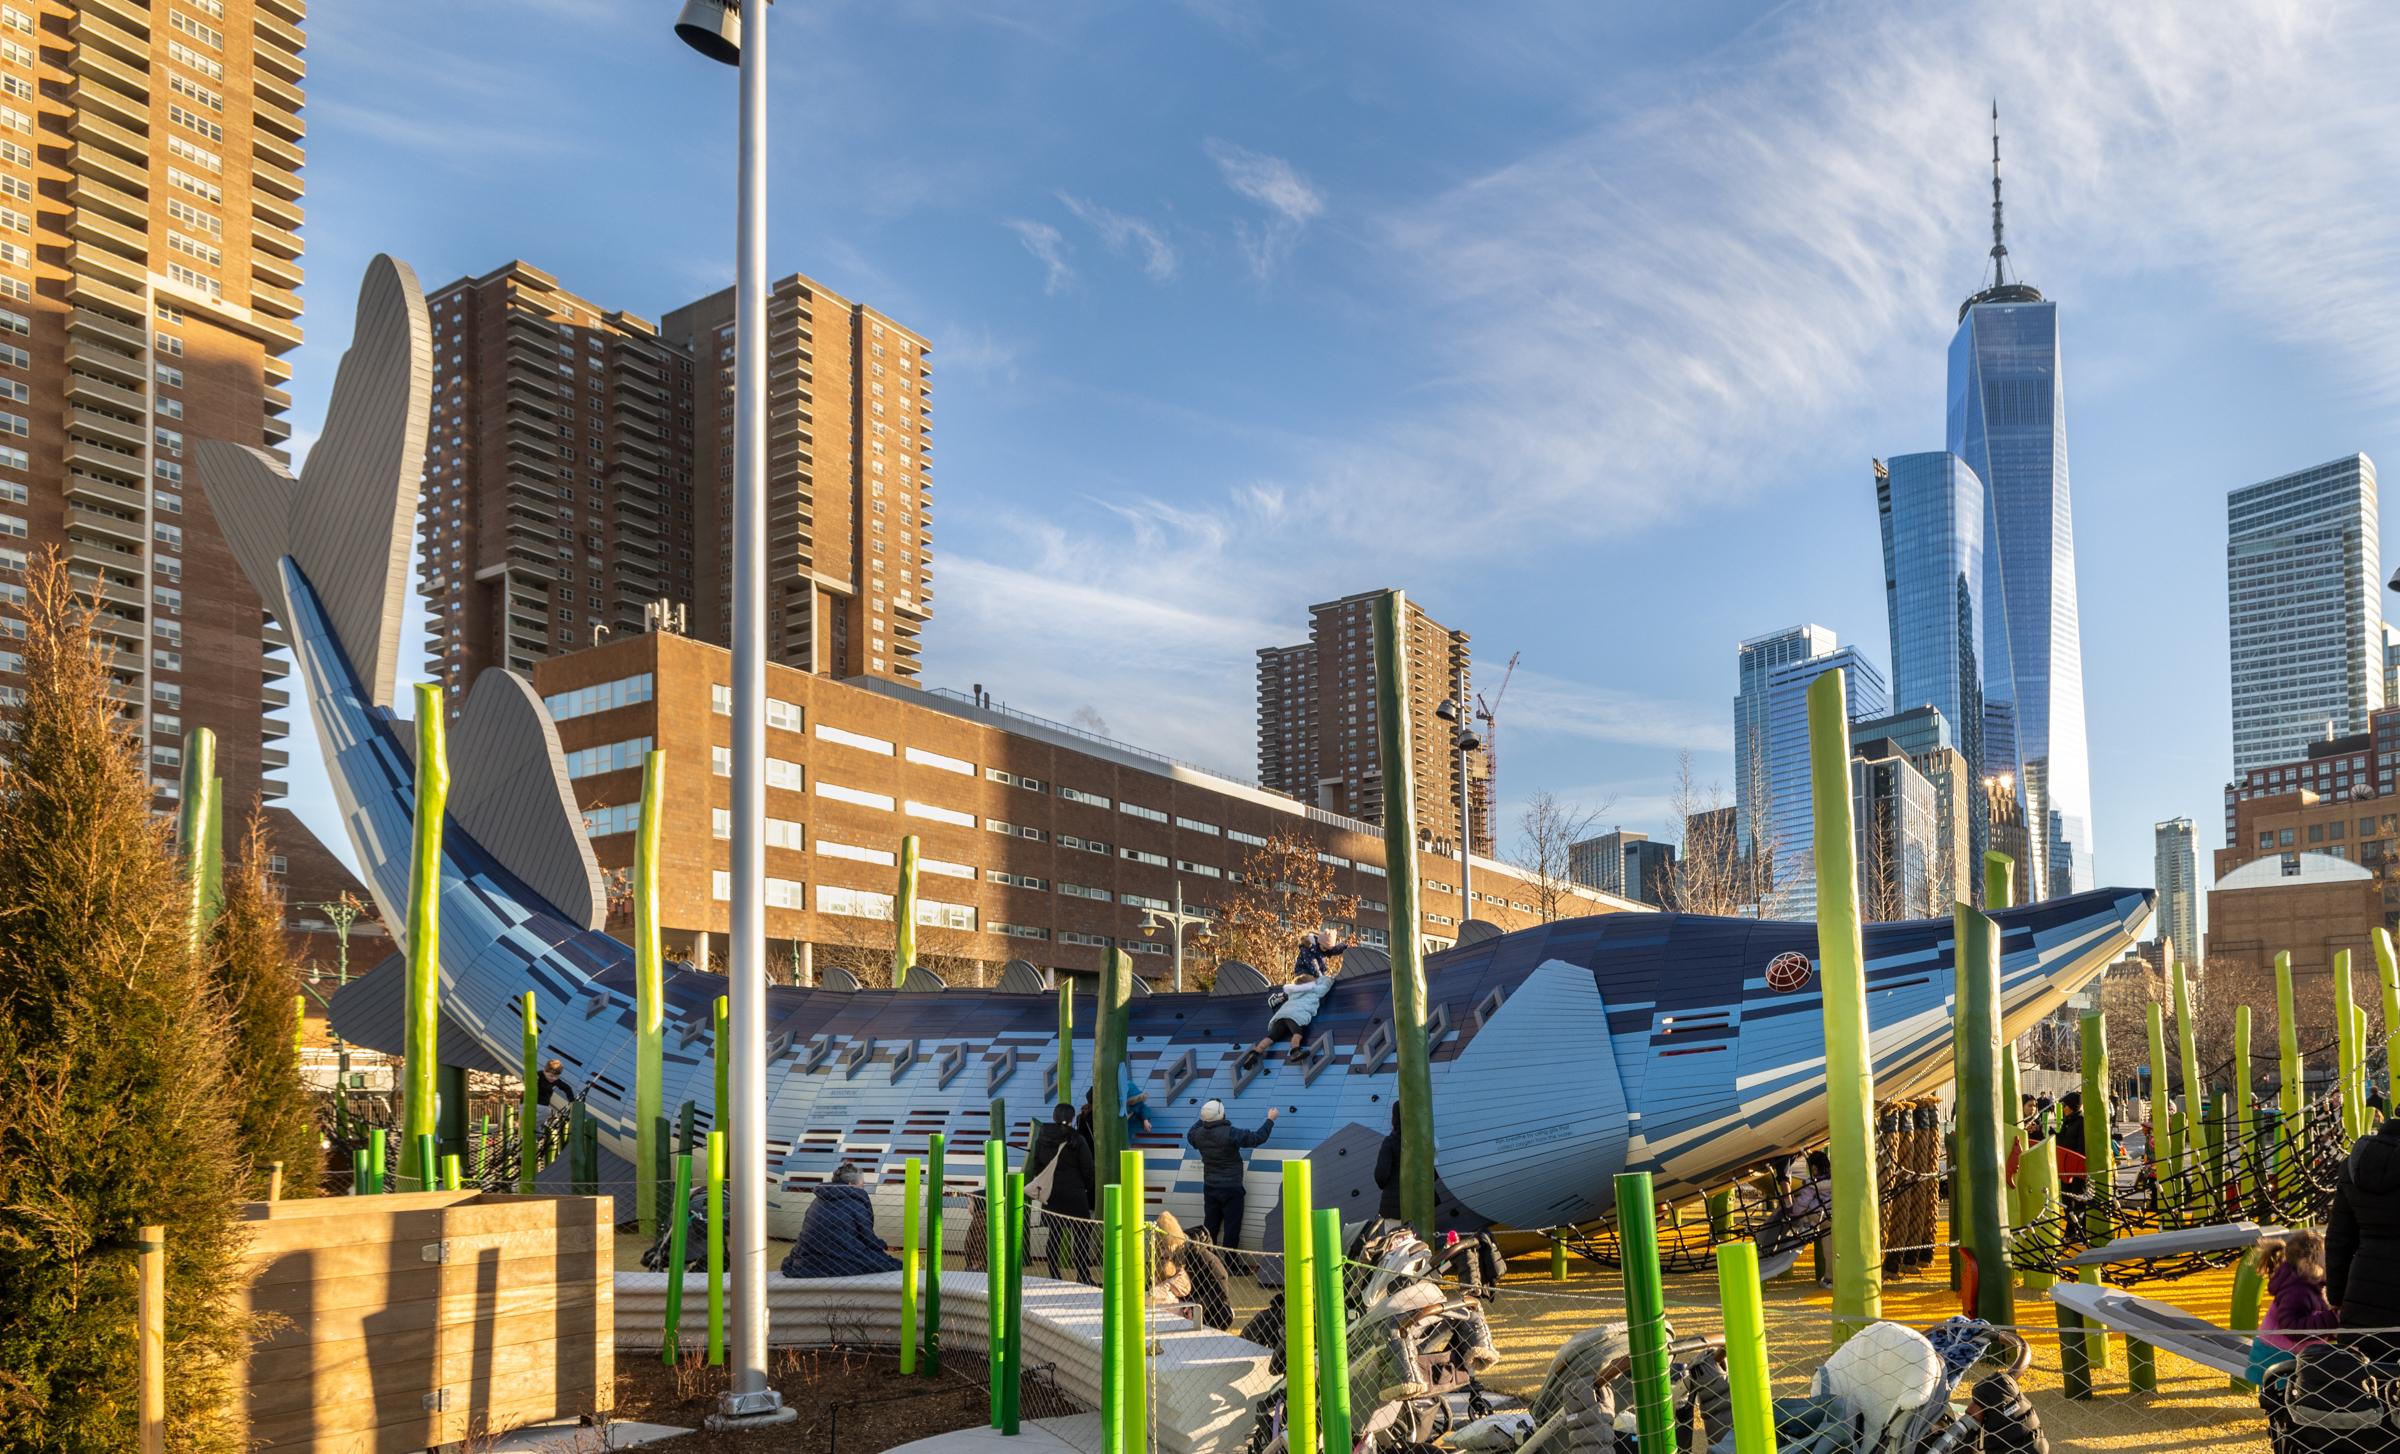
<point x="1579" y="322"/>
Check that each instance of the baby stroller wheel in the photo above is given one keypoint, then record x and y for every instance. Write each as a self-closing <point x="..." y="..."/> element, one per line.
<point x="1478" y="1406"/>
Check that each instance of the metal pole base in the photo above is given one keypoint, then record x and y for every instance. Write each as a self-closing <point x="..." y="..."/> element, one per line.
<point x="737" y="1412"/>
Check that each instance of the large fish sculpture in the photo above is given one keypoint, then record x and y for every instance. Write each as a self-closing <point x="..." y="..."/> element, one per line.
<point x="1685" y="1046"/>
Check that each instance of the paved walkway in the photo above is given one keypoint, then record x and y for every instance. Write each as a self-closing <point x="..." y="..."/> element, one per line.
<point x="1074" y="1434"/>
<point x="581" y="1439"/>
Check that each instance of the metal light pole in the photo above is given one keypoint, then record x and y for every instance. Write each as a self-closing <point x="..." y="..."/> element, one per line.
<point x="1176" y="922"/>
<point x="1454" y="711"/>
<point x="715" y="28"/>
<point x="343" y="912"/>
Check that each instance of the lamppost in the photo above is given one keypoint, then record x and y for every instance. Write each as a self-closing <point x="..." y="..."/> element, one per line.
<point x="343" y="912"/>
<point x="714" y="28"/>
<point x="1176" y="921"/>
<point x="1453" y="710"/>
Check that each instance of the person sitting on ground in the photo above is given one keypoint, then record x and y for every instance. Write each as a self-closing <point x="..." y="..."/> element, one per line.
<point x="2362" y="1240"/>
<point x="1186" y="1271"/>
<point x="1061" y="1155"/>
<point x="1295" y="1005"/>
<point x="2294" y="1267"/>
<point x="838" y="1236"/>
<point x="1133" y="1103"/>
<point x="2005" y="1416"/>
<point x="555" y="1088"/>
<point x="1221" y="1144"/>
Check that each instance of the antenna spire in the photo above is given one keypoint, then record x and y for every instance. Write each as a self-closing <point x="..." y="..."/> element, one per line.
<point x="1999" y="248"/>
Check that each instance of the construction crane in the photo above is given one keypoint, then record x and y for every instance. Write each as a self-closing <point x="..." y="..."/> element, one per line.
<point x="1485" y="711"/>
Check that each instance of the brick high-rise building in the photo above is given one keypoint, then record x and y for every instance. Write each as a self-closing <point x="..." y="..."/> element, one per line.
<point x="1316" y="720"/>
<point x="149" y="276"/>
<point x="558" y="504"/>
<point x="849" y="479"/>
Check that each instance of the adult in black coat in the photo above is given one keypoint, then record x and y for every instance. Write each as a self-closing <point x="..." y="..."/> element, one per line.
<point x="1387" y="1170"/>
<point x="1221" y="1144"/>
<point x="2362" y="1237"/>
<point x="1068" y="1207"/>
<point x="838" y="1236"/>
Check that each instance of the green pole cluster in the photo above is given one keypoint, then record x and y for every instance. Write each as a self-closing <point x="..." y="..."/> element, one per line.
<point x="716" y="1248"/>
<point x="904" y="912"/>
<point x="1646" y="1309"/>
<point x="1982" y="1168"/>
<point x="1299" y="1310"/>
<point x="995" y="1266"/>
<point x="1746" y="1348"/>
<point x="1013" y="1356"/>
<point x="1133" y="1337"/>
<point x="2166" y="1149"/>
<point x="1333" y="1331"/>
<point x="677" y="1232"/>
<point x="912" y="1179"/>
<point x="199" y="834"/>
<point x="425" y="929"/>
<point x="2345" y="1041"/>
<point x="930" y="1306"/>
<point x="1415" y="1085"/>
<point x="529" y="1117"/>
<point x="1849" y="1068"/>
<point x="649" y="1000"/>
<point x="1066" y="1041"/>
<point x="1108" y="1052"/>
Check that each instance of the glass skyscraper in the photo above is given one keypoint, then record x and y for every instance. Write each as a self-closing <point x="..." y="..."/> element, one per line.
<point x="2176" y="874"/>
<point x="1931" y="508"/>
<point x="1758" y="658"/>
<point x="2304" y="595"/>
<point x="1790" y="815"/>
<point x="2008" y="424"/>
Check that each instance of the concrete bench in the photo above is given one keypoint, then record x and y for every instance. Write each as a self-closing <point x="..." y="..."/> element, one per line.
<point x="1203" y="1384"/>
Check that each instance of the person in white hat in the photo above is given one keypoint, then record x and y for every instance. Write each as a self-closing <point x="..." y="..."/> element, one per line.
<point x="1221" y="1144"/>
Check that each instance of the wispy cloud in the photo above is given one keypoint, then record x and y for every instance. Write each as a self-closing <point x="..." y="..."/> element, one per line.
<point x="1121" y="231"/>
<point x="460" y="144"/>
<point x="1291" y="200"/>
<point x="1049" y="247"/>
<point x="1548" y="705"/>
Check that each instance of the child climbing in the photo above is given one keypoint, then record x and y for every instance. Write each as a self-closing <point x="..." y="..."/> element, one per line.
<point x="1294" y="1005"/>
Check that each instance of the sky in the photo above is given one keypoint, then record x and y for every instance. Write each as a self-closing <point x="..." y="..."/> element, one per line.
<point x="1580" y="323"/>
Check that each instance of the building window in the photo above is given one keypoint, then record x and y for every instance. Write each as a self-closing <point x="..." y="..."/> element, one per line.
<point x="922" y="758"/>
<point x="856" y="796"/>
<point x="1138" y="811"/>
<point x="608" y="757"/>
<point x="600" y="697"/>
<point x="939" y="814"/>
<point x="858" y="740"/>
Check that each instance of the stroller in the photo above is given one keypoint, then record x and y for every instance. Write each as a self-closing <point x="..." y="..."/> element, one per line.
<point x="1888" y="1390"/>
<point x="695" y="1238"/>
<point x="2331" y="1400"/>
<point x="1586" y="1401"/>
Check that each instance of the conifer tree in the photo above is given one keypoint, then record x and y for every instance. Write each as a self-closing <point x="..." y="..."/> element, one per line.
<point x="113" y="1105"/>
<point x="275" y="1118"/>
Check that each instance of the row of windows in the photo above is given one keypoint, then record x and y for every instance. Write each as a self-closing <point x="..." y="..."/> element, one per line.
<point x="599" y="697"/>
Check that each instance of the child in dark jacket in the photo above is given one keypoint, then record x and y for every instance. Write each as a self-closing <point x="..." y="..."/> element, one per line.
<point x="2294" y="1266"/>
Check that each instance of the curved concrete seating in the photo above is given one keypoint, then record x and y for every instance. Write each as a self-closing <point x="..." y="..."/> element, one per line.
<point x="1204" y="1384"/>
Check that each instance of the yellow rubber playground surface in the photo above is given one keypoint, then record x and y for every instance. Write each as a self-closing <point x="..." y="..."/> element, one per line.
<point x="2193" y="1409"/>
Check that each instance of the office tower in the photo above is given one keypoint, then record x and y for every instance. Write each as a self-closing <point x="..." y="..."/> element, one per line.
<point x="1755" y="660"/>
<point x="2177" y="878"/>
<point x="1630" y="865"/>
<point x="558" y="505"/>
<point x="1922" y="735"/>
<point x="1790" y="814"/>
<point x="849" y="479"/>
<point x="1931" y="509"/>
<point x="2008" y="423"/>
<point x="1895" y="819"/>
<point x="1316" y="720"/>
<point x="149" y="276"/>
<point x="2304" y="592"/>
<point x="2391" y="664"/>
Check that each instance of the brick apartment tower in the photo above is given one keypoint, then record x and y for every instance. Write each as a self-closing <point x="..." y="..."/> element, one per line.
<point x="849" y="480"/>
<point x="1316" y="720"/>
<point x="149" y="276"/>
<point x="558" y="505"/>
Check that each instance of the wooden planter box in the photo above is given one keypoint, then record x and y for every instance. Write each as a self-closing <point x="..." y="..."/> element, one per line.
<point x="407" y="1322"/>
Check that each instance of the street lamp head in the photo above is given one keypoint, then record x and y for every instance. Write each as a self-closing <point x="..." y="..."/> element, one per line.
<point x="2394" y="583"/>
<point x="1149" y="928"/>
<point x="713" y="28"/>
<point x="1447" y="711"/>
<point x="1467" y="740"/>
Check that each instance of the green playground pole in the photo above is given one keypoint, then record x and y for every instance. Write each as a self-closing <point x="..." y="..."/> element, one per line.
<point x="1113" y="1438"/>
<point x="2241" y="1135"/>
<point x="716" y="1248"/>
<point x="2099" y="1153"/>
<point x="1066" y="1044"/>
<point x="1333" y="1330"/>
<point x="2037" y="1172"/>
<point x="1415" y="1081"/>
<point x="1849" y="1068"/>
<point x="649" y="998"/>
<point x="2248" y="1290"/>
<point x="677" y="1232"/>
<point x="1134" y="1340"/>
<point x="1982" y="1167"/>
<point x="2141" y="1366"/>
<point x="1108" y="1052"/>
<point x="1720" y="1214"/>
<point x="912" y="1177"/>
<point x="1645" y="1308"/>
<point x="2166" y="1154"/>
<point x="995" y="1263"/>
<point x="529" y="1118"/>
<point x="424" y="1016"/>
<point x="904" y="912"/>
<point x="428" y="1162"/>
<point x="930" y="1306"/>
<point x="379" y="1156"/>
<point x="1299" y="1308"/>
<point x="1999" y="882"/>
<point x="2195" y="1091"/>
<point x="2288" y="1103"/>
<point x="720" y="1021"/>
<point x="199" y="835"/>
<point x="1012" y="1360"/>
<point x="360" y="1182"/>
<point x="2387" y="976"/>
<point x="2074" y="1354"/>
<point x="2345" y="1043"/>
<point x="1746" y="1348"/>
<point x="1558" y="1257"/>
<point x="450" y="1171"/>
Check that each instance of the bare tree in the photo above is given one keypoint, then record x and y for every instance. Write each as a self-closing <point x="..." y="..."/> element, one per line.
<point x="863" y="946"/>
<point x="1281" y="891"/>
<point x="1546" y="830"/>
<point x="1711" y="873"/>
